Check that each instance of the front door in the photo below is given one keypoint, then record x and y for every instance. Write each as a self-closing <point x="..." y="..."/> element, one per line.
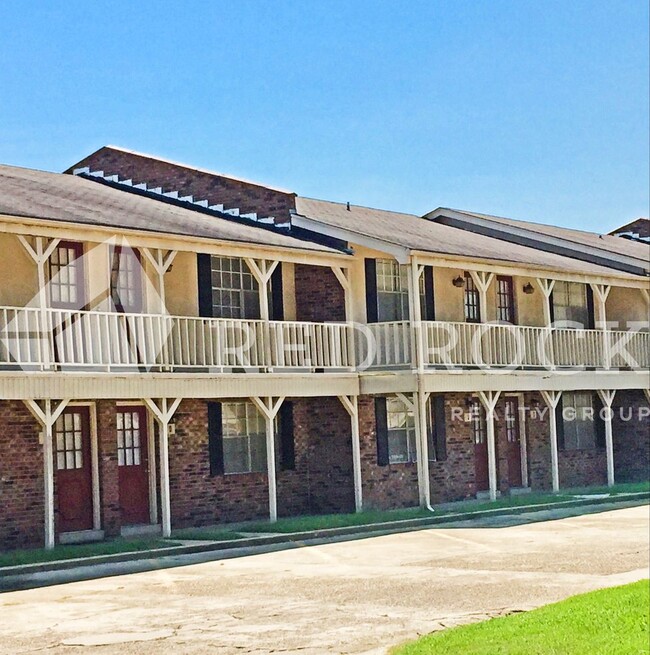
<point x="133" y="466"/>
<point x="513" y="437"/>
<point x="479" y="434"/>
<point x="74" y="486"/>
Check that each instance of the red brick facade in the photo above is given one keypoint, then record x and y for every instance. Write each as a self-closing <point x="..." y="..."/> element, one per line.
<point x="319" y="295"/>
<point x="216" y="189"/>
<point x="322" y="481"/>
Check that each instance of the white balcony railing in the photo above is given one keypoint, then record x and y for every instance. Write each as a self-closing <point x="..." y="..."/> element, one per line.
<point x="54" y="339"/>
<point x="31" y="338"/>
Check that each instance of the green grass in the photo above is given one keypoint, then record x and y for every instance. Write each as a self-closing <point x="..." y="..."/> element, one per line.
<point x="34" y="556"/>
<point x="606" y="622"/>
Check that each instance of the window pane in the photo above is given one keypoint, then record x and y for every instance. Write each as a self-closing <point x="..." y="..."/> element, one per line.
<point x="397" y="446"/>
<point x="235" y="455"/>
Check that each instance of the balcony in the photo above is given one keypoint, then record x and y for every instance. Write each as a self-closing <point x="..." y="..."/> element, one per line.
<point x="53" y="339"/>
<point x="497" y="346"/>
<point x="33" y="339"/>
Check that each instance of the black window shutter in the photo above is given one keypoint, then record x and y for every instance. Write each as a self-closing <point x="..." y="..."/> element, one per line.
<point x="286" y="434"/>
<point x="439" y="426"/>
<point x="429" y="304"/>
<point x="277" y="295"/>
<point x="599" y="423"/>
<point x="591" y="317"/>
<point x="371" y="290"/>
<point x="551" y="307"/>
<point x="381" y="427"/>
<point x="559" y="420"/>
<point x="215" y="438"/>
<point x="204" y="266"/>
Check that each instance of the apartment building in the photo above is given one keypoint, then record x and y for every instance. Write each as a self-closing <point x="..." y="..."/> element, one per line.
<point x="181" y="348"/>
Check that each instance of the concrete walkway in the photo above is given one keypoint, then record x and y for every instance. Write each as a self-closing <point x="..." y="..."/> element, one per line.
<point x="346" y="597"/>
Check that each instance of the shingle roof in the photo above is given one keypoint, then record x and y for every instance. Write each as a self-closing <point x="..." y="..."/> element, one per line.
<point x="58" y="197"/>
<point x="416" y="233"/>
<point x="604" y="242"/>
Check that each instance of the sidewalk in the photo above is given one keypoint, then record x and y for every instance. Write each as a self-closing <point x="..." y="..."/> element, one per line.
<point x="190" y="552"/>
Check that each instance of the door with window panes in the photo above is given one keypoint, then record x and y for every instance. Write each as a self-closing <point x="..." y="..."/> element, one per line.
<point x="479" y="435"/>
<point x="73" y="470"/>
<point x="132" y="462"/>
<point x="513" y="437"/>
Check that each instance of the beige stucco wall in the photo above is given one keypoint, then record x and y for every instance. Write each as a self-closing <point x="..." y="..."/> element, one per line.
<point x="626" y="306"/>
<point x="181" y="286"/>
<point x="529" y="308"/>
<point x="18" y="273"/>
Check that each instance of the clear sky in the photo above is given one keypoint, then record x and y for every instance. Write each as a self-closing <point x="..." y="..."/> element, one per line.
<point x="533" y="109"/>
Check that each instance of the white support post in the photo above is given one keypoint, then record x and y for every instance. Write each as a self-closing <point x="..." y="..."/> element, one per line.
<point x="343" y="276"/>
<point x="47" y="417"/>
<point x="601" y="291"/>
<point x="552" y="399"/>
<point x="646" y="296"/>
<point x="161" y="262"/>
<point x="607" y="398"/>
<point x="269" y="409"/>
<point x="546" y="287"/>
<point x="482" y="280"/>
<point x="163" y="414"/>
<point x="415" y="313"/>
<point x="262" y="270"/>
<point x="489" y="400"/>
<point x="414" y="405"/>
<point x="40" y="252"/>
<point x="352" y="407"/>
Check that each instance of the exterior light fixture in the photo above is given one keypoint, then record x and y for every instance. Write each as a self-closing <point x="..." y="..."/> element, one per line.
<point x="458" y="281"/>
<point x="528" y="288"/>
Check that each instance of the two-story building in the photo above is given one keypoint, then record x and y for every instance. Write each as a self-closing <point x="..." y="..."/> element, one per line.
<point x="181" y="348"/>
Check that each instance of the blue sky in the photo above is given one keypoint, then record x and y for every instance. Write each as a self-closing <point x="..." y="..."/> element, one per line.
<point x="529" y="109"/>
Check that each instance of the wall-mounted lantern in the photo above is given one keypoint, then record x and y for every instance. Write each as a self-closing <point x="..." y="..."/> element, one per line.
<point x="458" y="282"/>
<point x="528" y="289"/>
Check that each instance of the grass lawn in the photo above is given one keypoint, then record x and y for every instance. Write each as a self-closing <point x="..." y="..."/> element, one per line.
<point x="606" y="622"/>
<point x="16" y="557"/>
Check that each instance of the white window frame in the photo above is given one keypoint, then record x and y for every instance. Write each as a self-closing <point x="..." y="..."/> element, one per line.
<point x="399" y="418"/>
<point x="242" y="421"/>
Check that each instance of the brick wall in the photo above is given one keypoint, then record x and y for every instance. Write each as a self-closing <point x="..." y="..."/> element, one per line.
<point x="246" y="196"/>
<point x="631" y="435"/>
<point x="384" y="487"/>
<point x="453" y="478"/>
<point x="108" y="470"/>
<point x="322" y="482"/>
<point x="197" y="498"/>
<point x="538" y="443"/>
<point x="21" y="478"/>
<point x="319" y="295"/>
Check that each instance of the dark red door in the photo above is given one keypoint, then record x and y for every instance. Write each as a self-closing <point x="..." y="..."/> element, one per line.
<point x="74" y="486"/>
<point x="479" y="433"/>
<point x="133" y="465"/>
<point x="514" y="441"/>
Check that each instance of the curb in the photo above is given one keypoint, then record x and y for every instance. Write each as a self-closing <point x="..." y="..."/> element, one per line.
<point x="403" y="525"/>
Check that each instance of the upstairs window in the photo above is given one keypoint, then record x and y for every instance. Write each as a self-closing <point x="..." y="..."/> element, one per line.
<point x="472" y="301"/>
<point x="393" y="291"/>
<point x="65" y="271"/>
<point x="126" y="280"/>
<point x="235" y="292"/>
<point x="505" y="300"/>
<point x="570" y="303"/>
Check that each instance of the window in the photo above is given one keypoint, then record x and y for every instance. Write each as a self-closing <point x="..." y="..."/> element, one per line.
<point x="401" y="432"/>
<point x="392" y="291"/>
<point x="570" y="302"/>
<point x="126" y="280"/>
<point x="472" y="301"/>
<point x="578" y="416"/>
<point x="66" y="276"/>
<point x="129" y="448"/>
<point x="479" y="424"/>
<point x="511" y="420"/>
<point x="244" y="438"/>
<point x="505" y="300"/>
<point x="69" y="441"/>
<point x="235" y="292"/>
